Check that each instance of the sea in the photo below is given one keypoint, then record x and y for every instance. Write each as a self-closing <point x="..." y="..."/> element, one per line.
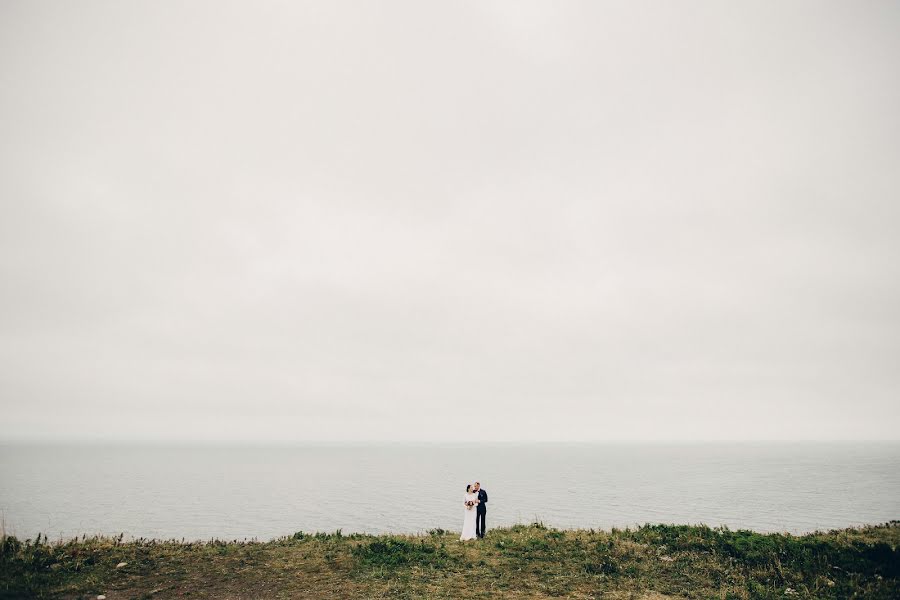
<point x="203" y="492"/>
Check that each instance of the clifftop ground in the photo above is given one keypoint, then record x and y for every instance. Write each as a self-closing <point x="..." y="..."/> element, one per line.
<point x="652" y="562"/>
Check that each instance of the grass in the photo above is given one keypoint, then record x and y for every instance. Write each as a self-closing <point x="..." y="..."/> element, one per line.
<point x="525" y="561"/>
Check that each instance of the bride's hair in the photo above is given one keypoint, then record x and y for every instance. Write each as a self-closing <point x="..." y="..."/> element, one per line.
<point x="468" y="486"/>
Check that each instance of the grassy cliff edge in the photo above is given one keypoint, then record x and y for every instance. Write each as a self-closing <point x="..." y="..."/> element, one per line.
<point x="525" y="561"/>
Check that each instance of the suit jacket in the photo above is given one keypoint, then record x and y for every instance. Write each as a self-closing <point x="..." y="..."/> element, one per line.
<point x="482" y="497"/>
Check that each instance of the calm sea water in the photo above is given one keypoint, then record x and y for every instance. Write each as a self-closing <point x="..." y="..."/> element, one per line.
<point x="201" y="492"/>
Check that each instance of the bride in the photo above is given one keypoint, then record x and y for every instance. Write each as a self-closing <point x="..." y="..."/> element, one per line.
<point x="470" y="501"/>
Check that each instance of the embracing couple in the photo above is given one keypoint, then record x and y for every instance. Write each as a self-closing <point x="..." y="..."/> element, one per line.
<point x="475" y="514"/>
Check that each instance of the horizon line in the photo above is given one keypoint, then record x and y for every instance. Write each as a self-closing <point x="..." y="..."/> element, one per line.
<point x="383" y="442"/>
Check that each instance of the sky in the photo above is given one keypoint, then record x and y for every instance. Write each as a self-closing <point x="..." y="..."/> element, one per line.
<point x="449" y="221"/>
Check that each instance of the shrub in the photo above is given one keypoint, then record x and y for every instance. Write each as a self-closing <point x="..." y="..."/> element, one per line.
<point x="394" y="552"/>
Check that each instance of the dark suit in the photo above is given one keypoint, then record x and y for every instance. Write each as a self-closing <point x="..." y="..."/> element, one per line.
<point x="481" y="514"/>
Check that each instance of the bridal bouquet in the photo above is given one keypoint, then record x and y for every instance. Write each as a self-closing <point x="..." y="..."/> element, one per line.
<point x="470" y="504"/>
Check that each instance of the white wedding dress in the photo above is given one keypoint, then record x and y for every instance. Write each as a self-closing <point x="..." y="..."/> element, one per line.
<point x="468" y="532"/>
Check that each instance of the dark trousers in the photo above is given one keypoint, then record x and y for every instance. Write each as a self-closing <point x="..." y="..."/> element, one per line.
<point x="480" y="523"/>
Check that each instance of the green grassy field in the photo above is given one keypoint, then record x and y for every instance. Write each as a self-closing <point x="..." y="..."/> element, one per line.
<point x="653" y="561"/>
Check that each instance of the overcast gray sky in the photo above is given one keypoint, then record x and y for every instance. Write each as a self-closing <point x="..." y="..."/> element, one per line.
<point x="449" y="220"/>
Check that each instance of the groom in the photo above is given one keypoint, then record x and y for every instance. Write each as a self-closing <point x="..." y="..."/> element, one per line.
<point x="480" y="511"/>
